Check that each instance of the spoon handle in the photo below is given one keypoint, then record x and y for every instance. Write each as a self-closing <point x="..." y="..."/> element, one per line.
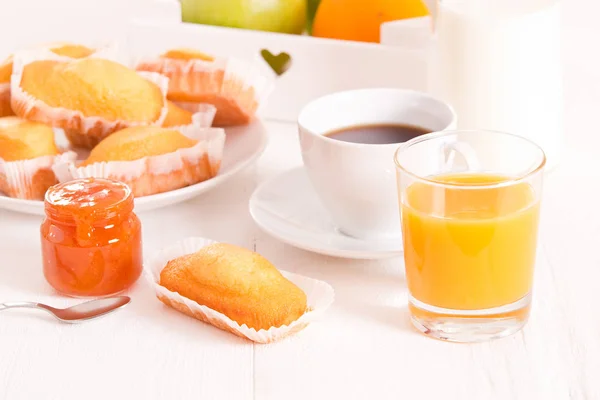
<point x="18" y="304"/>
<point x="25" y="304"/>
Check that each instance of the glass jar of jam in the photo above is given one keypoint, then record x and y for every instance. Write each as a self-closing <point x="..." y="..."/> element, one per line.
<point x="91" y="238"/>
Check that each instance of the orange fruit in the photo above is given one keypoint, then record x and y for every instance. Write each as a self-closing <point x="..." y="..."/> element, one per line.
<point x="360" y="20"/>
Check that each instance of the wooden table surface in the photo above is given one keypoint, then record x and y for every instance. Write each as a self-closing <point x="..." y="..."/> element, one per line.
<point x="364" y="347"/>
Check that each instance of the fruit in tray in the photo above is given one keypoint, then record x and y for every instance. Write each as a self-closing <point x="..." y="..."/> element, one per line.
<point x="311" y="10"/>
<point x="284" y="16"/>
<point x="360" y="20"/>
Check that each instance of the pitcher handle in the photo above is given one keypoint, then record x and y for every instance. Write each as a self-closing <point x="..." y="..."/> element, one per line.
<point x="453" y="152"/>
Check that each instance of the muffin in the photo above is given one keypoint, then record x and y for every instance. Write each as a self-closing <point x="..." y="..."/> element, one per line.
<point x="176" y="116"/>
<point x="88" y="98"/>
<point x="70" y="50"/>
<point x="234" y="87"/>
<point x="238" y="283"/>
<point x="179" y="117"/>
<point x="152" y="159"/>
<point x="27" y="153"/>
<point x="5" y="74"/>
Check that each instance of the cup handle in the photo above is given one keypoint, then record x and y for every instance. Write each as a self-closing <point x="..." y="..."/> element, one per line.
<point x="452" y="153"/>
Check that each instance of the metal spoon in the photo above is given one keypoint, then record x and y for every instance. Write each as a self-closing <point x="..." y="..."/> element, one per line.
<point x="78" y="313"/>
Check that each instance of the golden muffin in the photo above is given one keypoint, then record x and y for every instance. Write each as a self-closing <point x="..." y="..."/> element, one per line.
<point x="138" y="142"/>
<point x="61" y="49"/>
<point x="71" y="50"/>
<point x="27" y="154"/>
<point x="23" y="140"/>
<point x="187" y="54"/>
<point x="236" y="282"/>
<point x="233" y="87"/>
<point x="89" y="98"/>
<point x="177" y="116"/>
<point x="5" y="74"/>
<point x="152" y="159"/>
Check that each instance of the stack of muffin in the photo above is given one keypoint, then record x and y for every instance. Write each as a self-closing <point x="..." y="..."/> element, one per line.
<point x="150" y="126"/>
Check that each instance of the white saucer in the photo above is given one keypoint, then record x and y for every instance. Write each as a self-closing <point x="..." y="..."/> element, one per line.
<point x="243" y="145"/>
<point x="287" y="208"/>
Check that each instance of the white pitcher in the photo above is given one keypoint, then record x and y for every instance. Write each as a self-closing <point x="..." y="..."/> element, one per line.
<point x="498" y="63"/>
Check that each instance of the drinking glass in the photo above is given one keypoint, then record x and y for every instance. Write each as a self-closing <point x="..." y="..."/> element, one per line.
<point x="469" y="211"/>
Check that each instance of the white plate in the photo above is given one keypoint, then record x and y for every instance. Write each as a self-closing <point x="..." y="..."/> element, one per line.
<point x="244" y="144"/>
<point x="287" y="208"/>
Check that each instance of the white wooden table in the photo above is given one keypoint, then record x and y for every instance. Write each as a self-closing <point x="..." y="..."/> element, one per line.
<point x="364" y="348"/>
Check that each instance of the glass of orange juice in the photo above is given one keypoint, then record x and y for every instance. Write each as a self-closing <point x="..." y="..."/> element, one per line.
<point x="470" y="204"/>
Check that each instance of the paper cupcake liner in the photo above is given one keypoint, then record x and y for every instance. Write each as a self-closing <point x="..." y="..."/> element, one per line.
<point x="29" y="179"/>
<point x="163" y="173"/>
<point x="235" y="87"/>
<point x="81" y="131"/>
<point x="319" y="294"/>
<point x="5" y="108"/>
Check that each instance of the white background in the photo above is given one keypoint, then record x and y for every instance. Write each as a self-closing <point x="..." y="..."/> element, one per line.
<point x="364" y="348"/>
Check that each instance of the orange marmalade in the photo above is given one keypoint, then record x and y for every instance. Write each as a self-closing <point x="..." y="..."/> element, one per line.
<point x="91" y="238"/>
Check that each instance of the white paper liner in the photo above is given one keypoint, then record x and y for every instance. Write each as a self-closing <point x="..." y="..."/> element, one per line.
<point x="319" y="294"/>
<point x="66" y="118"/>
<point x="211" y="142"/>
<point x="19" y="175"/>
<point x="234" y="69"/>
<point x="202" y="117"/>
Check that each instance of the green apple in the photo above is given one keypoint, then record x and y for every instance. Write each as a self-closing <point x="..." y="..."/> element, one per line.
<point x="285" y="16"/>
<point x="311" y="12"/>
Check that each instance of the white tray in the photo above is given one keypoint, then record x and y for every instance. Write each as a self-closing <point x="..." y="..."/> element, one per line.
<point x="319" y="66"/>
<point x="146" y="27"/>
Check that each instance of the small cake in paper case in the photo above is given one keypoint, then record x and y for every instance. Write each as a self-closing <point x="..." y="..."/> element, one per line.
<point x="177" y="117"/>
<point x="70" y="50"/>
<point x="152" y="159"/>
<point x="236" y="290"/>
<point x="88" y="98"/>
<point x="5" y="73"/>
<point x="27" y="154"/>
<point x="5" y="108"/>
<point x="235" y="87"/>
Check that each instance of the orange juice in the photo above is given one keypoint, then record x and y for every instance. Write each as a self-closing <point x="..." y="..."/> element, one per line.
<point x="469" y="246"/>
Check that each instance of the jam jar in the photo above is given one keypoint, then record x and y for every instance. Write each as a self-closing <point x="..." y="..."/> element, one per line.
<point x="91" y="238"/>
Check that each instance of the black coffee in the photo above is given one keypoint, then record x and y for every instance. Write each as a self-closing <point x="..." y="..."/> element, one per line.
<point x="378" y="133"/>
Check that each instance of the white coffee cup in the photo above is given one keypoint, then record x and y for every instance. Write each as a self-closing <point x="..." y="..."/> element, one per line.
<point x="356" y="182"/>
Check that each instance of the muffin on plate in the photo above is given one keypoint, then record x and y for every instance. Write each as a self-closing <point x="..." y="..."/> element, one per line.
<point x="234" y="87"/>
<point x="71" y="50"/>
<point x="89" y="98"/>
<point x="152" y="159"/>
<point x="5" y="73"/>
<point x="27" y="153"/>
<point x="179" y="117"/>
<point x="241" y="284"/>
